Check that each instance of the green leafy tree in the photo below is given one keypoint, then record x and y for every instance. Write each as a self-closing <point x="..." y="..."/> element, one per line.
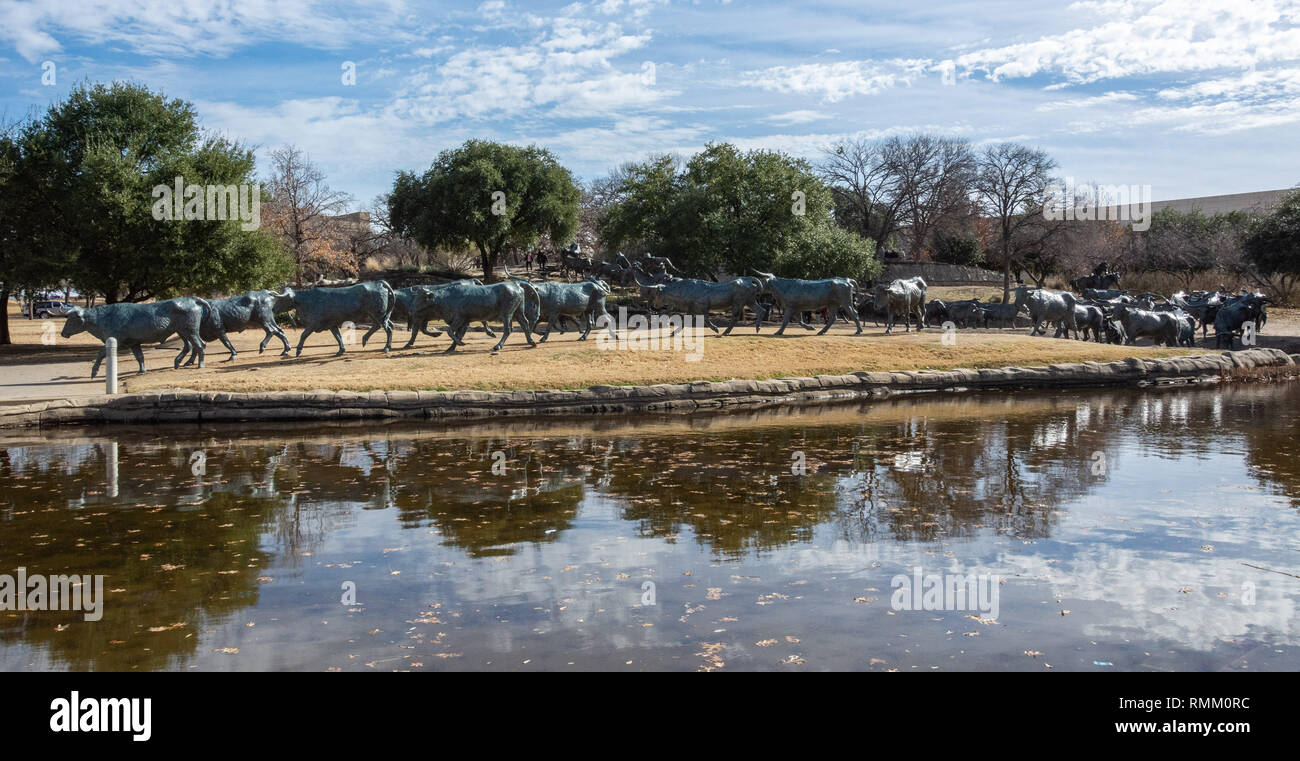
<point x="824" y="251"/>
<point x="1273" y="245"/>
<point x="638" y="214"/>
<point x="730" y="211"/>
<point x="491" y="196"/>
<point x="957" y="247"/>
<point x="97" y="159"/>
<point x="1188" y="243"/>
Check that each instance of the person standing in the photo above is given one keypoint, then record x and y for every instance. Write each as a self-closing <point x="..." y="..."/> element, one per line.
<point x="528" y="261"/>
<point x="541" y="263"/>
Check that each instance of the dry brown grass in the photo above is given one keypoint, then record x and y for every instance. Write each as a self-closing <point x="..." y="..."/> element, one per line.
<point x="563" y="362"/>
<point x="963" y="292"/>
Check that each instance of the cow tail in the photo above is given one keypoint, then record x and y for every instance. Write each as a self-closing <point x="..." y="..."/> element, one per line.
<point x="210" y="312"/>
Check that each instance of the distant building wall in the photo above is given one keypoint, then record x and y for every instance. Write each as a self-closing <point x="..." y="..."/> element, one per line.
<point x="1256" y="202"/>
<point x="934" y="273"/>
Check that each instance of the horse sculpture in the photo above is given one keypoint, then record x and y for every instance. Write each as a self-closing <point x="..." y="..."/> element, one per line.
<point x="1095" y="281"/>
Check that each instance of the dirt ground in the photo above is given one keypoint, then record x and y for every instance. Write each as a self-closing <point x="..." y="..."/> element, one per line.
<point x="61" y="367"/>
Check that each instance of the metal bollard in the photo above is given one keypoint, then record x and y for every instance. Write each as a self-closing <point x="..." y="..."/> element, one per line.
<point x="110" y="366"/>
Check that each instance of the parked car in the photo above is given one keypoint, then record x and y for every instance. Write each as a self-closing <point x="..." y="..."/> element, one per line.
<point x="43" y="309"/>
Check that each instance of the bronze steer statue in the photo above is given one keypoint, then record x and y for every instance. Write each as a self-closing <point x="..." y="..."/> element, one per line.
<point x="237" y="314"/>
<point x="1044" y="306"/>
<point x="329" y="308"/>
<point x="794" y="297"/>
<point x="585" y="300"/>
<point x="905" y="297"/>
<point x="698" y="297"/>
<point x="462" y="303"/>
<point x="414" y="304"/>
<point x="133" y="325"/>
<point x="1160" y="327"/>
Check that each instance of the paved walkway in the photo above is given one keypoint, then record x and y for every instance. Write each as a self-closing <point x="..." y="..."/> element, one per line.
<point x="54" y="380"/>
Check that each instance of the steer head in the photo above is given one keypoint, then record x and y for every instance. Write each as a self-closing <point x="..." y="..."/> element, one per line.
<point x="75" y="323"/>
<point x="764" y="278"/>
<point x="654" y="294"/>
<point x="283" y="301"/>
<point x="645" y="285"/>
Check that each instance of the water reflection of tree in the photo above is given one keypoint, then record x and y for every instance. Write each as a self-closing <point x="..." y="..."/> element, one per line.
<point x="173" y="564"/>
<point x="185" y="549"/>
<point x="1269" y="426"/>
<point x="488" y="503"/>
<point x="738" y="492"/>
<point x="181" y="552"/>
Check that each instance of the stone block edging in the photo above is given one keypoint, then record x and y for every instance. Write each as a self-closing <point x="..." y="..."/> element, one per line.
<point x="181" y="405"/>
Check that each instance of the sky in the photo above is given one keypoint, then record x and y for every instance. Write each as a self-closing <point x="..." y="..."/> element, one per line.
<point x="1190" y="97"/>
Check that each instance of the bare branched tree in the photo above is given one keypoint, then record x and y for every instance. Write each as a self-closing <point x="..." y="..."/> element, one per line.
<point x="1012" y="182"/>
<point x="302" y="203"/>
<point x="932" y="178"/>
<point x="864" y="189"/>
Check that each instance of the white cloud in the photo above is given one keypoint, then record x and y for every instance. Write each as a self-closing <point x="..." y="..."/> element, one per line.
<point x="1143" y="37"/>
<point x="833" y="82"/>
<point x="569" y="68"/>
<point x="168" y="28"/>
<point x="1088" y="102"/>
<point x="801" y="116"/>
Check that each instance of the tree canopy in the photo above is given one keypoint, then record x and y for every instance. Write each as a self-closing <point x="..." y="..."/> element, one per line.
<point x="1273" y="245"/>
<point x="732" y="211"/>
<point x="487" y="195"/>
<point x="95" y="161"/>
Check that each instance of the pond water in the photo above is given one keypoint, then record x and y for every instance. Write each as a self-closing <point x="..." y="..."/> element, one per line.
<point x="1100" y="530"/>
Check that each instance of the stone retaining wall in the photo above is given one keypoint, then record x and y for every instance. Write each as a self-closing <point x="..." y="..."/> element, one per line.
<point x="939" y="274"/>
<point x="179" y="405"/>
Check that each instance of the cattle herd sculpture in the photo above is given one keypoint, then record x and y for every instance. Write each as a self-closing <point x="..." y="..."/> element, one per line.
<point x="1098" y="311"/>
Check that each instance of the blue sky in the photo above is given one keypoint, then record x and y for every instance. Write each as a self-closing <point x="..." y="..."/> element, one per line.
<point x="1190" y="97"/>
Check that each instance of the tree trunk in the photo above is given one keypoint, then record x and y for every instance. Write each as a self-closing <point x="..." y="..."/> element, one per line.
<point x="1006" y="270"/>
<point x="4" y="318"/>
